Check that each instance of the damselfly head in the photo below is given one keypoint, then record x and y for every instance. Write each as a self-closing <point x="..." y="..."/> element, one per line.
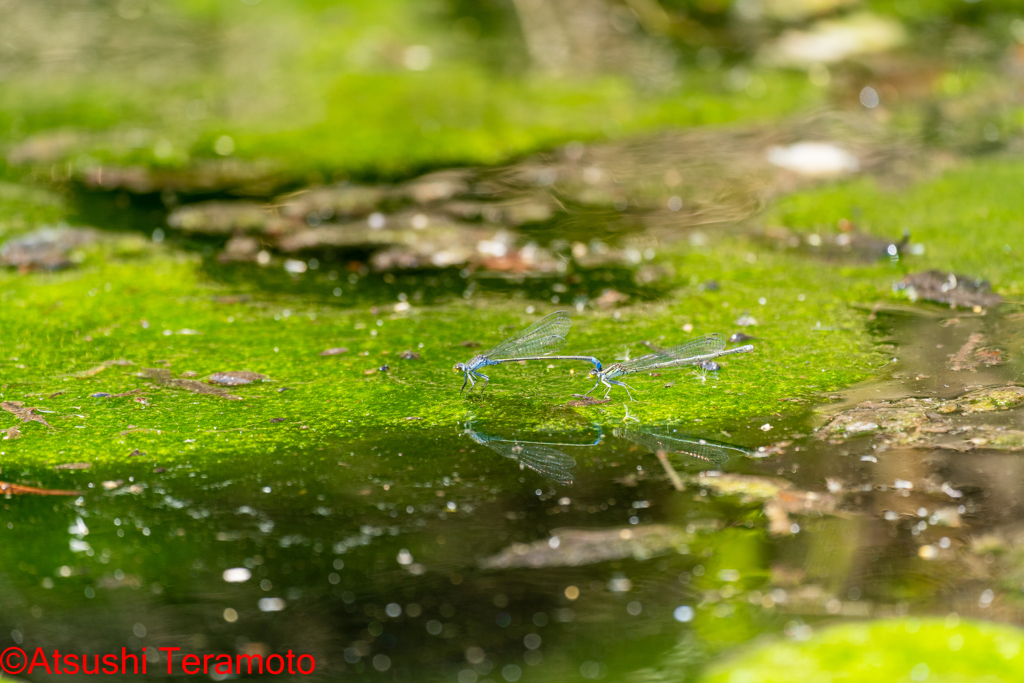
<point x="459" y="367"/>
<point x="593" y="372"/>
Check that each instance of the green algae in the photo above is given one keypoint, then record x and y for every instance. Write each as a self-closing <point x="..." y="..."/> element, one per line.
<point x="967" y="218"/>
<point x="893" y="649"/>
<point x="163" y="313"/>
<point x="24" y="207"/>
<point x="288" y="93"/>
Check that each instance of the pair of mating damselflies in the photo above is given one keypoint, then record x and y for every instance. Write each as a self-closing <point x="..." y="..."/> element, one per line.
<point x="547" y="336"/>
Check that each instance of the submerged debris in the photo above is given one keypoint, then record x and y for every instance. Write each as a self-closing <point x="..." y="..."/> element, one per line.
<point x="848" y="243"/>
<point x="216" y="217"/>
<point x="9" y="489"/>
<point x="779" y="497"/>
<point x="957" y="290"/>
<point x="236" y="378"/>
<point x="73" y="466"/>
<point x="962" y="359"/>
<point x="929" y="422"/>
<point x="163" y="377"/>
<point x="334" y="202"/>
<point x="576" y="547"/>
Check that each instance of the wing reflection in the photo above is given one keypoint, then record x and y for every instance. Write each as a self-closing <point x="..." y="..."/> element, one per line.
<point x="668" y="439"/>
<point x="534" y="455"/>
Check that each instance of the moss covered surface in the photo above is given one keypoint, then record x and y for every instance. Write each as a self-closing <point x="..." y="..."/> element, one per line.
<point x="163" y="313"/>
<point x="908" y="649"/>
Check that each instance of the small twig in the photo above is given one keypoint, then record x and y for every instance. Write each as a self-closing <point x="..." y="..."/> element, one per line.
<point x="677" y="483"/>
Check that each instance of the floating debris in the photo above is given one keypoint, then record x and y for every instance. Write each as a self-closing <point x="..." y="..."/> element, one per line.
<point x="103" y="394"/>
<point x="957" y="290"/>
<point x="833" y="40"/>
<point x="746" y="320"/>
<point x="73" y="466"/>
<point x="610" y="298"/>
<point x="814" y="159"/>
<point x="47" y="248"/>
<point x="12" y="433"/>
<point x="576" y="547"/>
<point x="236" y="378"/>
<point x="848" y="243"/>
<point x="409" y="355"/>
<point x="336" y="351"/>
<point x="582" y="401"/>
<point x="91" y="372"/>
<point x="163" y="377"/>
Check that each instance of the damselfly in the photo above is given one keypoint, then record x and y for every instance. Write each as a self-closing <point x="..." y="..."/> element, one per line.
<point x="544" y="337"/>
<point x="694" y="352"/>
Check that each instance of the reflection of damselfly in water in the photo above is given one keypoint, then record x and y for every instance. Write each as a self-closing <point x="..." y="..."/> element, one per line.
<point x="663" y="440"/>
<point x="535" y="455"/>
<point x="667" y="439"/>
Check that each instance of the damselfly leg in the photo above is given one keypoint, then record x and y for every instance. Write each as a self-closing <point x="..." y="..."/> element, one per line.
<point x="625" y="386"/>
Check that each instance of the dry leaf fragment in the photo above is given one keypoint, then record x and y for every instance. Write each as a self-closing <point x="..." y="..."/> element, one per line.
<point x="18" y="409"/>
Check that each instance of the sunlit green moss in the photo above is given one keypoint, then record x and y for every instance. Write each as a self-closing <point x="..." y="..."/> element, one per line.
<point x="908" y="649"/>
<point x="322" y="88"/>
<point x="23" y="207"/>
<point x="163" y="312"/>
<point x="967" y="219"/>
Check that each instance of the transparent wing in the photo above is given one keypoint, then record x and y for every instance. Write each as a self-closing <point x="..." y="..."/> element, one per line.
<point x="694" y="351"/>
<point x="547" y="335"/>
<point x="547" y="462"/>
<point x="663" y="439"/>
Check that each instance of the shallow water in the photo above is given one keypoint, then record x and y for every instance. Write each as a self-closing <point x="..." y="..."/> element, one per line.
<point x="400" y="557"/>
